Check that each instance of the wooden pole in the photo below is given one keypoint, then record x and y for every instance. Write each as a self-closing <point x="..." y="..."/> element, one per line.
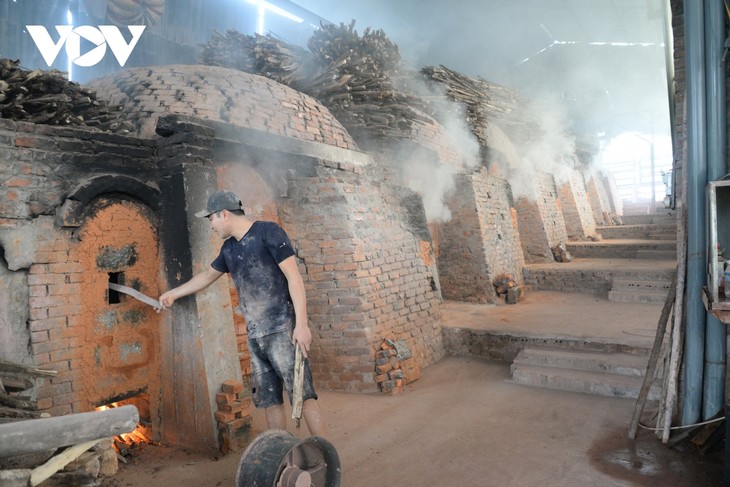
<point x="656" y="349"/>
<point x="47" y="433"/>
<point x="670" y="394"/>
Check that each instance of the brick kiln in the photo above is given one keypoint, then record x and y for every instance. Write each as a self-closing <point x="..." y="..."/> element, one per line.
<point x="82" y="208"/>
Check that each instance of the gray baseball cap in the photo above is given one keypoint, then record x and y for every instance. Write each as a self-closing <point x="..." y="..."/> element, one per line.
<point x="221" y="200"/>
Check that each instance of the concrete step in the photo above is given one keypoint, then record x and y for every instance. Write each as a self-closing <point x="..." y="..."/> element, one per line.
<point x="656" y="254"/>
<point x="663" y="236"/>
<point x="624" y="249"/>
<point x="639" y="290"/>
<point x="626" y="284"/>
<point x="644" y="231"/>
<point x="573" y="277"/>
<point x="612" y="363"/>
<point x="646" y="218"/>
<point x="614" y="375"/>
<point x="636" y="297"/>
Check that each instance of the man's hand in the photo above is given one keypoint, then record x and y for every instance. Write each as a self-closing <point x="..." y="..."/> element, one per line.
<point x="198" y="282"/>
<point x="302" y="336"/>
<point x="166" y="299"/>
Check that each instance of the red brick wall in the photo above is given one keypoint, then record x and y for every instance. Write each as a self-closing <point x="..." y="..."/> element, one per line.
<point x="577" y="212"/>
<point x="540" y="220"/>
<point x="598" y="198"/>
<point x="367" y="278"/>
<point x="220" y="94"/>
<point x="481" y="240"/>
<point x="41" y="164"/>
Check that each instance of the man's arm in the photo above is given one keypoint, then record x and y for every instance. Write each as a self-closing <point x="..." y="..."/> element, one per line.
<point x="302" y="335"/>
<point x="198" y="282"/>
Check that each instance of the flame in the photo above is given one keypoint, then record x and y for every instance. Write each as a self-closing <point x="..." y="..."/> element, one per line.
<point x="134" y="440"/>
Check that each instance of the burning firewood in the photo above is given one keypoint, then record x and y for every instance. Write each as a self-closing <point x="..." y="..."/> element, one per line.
<point x="47" y="97"/>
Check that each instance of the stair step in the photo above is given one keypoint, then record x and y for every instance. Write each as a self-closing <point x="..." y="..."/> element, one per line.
<point x="637" y="231"/>
<point x="598" y="383"/>
<point x="640" y="285"/>
<point x="577" y="381"/>
<point x="624" y="249"/>
<point x="637" y="296"/>
<point x="663" y="236"/>
<point x="613" y="363"/>
<point x="657" y="254"/>
<point x="647" y="218"/>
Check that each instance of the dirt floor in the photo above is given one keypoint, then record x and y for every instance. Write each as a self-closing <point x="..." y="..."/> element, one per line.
<point x="461" y="424"/>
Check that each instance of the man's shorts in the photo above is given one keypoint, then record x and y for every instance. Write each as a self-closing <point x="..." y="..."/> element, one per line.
<point x="272" y="363"/>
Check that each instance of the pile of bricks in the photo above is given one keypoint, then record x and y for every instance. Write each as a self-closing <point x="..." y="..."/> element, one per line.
<point x="233" y="416"/>
<point x="395" y="366"/>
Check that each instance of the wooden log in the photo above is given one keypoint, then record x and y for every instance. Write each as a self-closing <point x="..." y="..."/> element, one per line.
<point x="18" y="402"/>
<point x="41" y="434"/>
<point x="12" y="383"/>
<point x="18" y="370"/>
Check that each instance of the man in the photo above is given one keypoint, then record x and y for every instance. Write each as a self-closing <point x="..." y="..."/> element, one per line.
<point x="260" y="259"/>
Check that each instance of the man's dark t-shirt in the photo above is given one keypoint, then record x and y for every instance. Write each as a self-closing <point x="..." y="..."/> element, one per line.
<point x="263" y="292"/>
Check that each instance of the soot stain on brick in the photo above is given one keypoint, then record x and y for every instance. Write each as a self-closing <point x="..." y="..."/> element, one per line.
<point x="133" y="316"/>
<point x="111" y="258"/>
<point x="415" y="218"/>
<point x="135" y="284"/>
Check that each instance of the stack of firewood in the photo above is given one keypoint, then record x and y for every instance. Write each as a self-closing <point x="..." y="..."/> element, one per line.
<point x="15" y="381"/>
<point x="354" y="76"/>
<point x="47" y="97"/>
<point x="74" y="449"/>
<point x="484" y="101"/>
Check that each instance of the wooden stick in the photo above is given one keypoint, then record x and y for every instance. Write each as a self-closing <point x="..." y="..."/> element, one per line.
<point x="656" y="349"/>
<point x="23" y="369"/>
<point x="678" y="328"/>
<point x="296" y="412"/>
<point x="45" y="471"/>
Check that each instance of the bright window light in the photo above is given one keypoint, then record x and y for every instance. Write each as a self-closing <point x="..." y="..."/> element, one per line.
<point x="260" y="20"/>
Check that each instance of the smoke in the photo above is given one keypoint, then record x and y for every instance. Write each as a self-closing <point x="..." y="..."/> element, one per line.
<point x="434" y="183"/>
<point x="549" y="148"/>
<point x="609" y="76"/>
<point x="421" y="170"/>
